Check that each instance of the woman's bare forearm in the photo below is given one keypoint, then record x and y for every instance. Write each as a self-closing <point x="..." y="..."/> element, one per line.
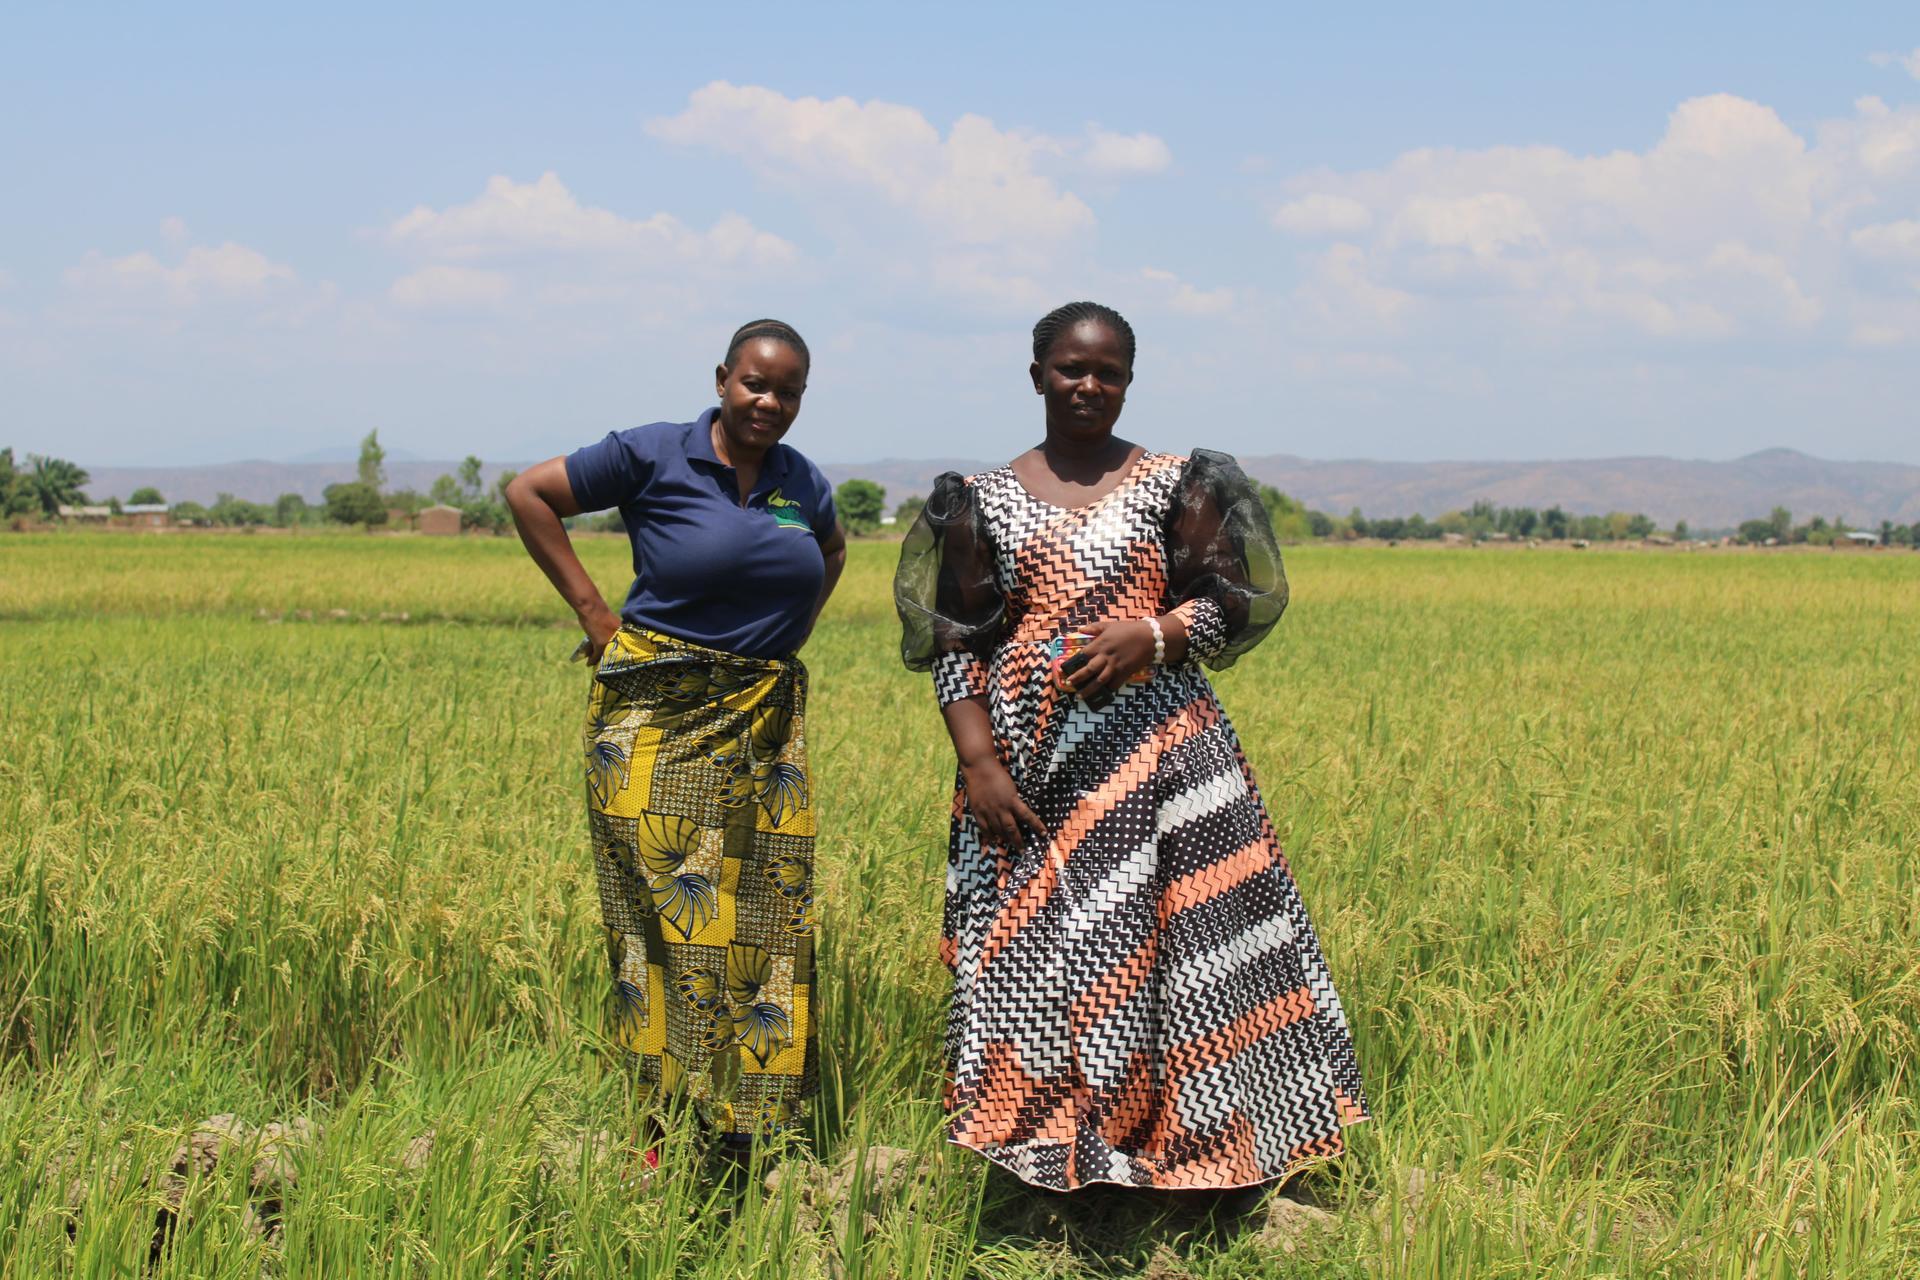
<point x="540" y="498"/>
<point x="971" y="728"/>
<point x="1002" y="815"/>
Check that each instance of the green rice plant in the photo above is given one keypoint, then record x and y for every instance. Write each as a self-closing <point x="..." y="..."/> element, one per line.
<point x="1613" y="855"/>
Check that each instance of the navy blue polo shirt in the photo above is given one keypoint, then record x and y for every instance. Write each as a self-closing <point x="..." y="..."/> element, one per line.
<point x="705" y="568"/>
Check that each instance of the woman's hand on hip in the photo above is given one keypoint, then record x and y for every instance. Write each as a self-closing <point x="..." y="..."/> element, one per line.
<point x="600" y="625"/>
<point x="1002" y="816"/>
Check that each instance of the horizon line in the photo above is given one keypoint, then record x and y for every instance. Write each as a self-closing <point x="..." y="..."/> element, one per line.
<point x="1777" y="450"/>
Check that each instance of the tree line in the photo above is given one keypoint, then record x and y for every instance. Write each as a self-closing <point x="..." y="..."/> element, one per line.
<point x="366" y="500"/>
<point x="1293" y="521"/>
<point x="861" y="504"/>
<point x="1778" y="529"/>
<point x="44" y="485"/>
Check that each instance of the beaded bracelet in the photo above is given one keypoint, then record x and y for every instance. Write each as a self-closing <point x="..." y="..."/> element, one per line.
<point x="1159" y="642"/>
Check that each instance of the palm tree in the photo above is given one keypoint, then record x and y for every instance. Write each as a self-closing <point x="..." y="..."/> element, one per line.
<point x="55" y="482"/>
<point x="15" y="500"/>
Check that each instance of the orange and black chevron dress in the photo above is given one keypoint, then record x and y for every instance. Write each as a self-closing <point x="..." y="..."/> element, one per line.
<point x="1140" y="999"/>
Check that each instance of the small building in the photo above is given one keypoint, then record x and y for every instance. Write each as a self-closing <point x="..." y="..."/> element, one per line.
<point x="90" y="514"/>
<point x="1857" y="538"/>
<point x="440" y="520"/>
<point x="146" y="515"/>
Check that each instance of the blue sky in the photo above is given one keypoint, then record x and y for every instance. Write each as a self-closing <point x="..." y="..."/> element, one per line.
<point x="1514" y="231"/>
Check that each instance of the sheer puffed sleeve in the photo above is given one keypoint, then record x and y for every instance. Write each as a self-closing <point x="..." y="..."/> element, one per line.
<point x="1223" y="564"/>
<point x="951" y="611"/>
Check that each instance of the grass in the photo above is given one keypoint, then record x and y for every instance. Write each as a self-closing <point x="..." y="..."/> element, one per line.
<point x="1613" y="855"/>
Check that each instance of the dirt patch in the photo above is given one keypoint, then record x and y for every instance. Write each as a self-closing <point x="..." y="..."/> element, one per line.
<point x="272" y="1153"/>
<point x="1291" y="1224"/>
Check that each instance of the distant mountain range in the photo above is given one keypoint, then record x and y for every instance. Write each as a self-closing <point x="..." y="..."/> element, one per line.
<point x="1708" y="495"/>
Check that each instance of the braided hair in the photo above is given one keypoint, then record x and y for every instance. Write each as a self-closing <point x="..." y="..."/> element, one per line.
<point x="1061" y="319"/>
<point x="778" y="330"/>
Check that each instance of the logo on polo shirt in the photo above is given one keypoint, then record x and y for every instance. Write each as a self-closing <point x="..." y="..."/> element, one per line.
<point x="786" y="512"/>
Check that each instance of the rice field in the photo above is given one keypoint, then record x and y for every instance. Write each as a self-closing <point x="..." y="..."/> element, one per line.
<point x="1614" y="855"/>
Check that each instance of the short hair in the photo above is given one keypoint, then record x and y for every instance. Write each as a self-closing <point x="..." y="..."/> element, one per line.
<point x="1061" y="319"/>
<point x="778" y="330"/>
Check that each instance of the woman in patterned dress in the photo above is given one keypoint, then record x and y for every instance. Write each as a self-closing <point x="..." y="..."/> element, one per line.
<point x="1138" y="995"/>
<point x="699" y="798"/>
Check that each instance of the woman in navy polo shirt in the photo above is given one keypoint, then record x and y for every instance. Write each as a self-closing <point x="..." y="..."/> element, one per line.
<point x="698" y="793"/>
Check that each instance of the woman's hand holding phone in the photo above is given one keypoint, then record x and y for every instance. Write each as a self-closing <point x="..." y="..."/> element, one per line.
<point x="1113" y="653"/>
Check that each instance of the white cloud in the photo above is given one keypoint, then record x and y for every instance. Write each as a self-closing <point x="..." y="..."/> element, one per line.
<point x="1909" y="62"/>
<point x="225" y="272"/>
<point x="511" y="217"/>
<point x="980" y="279"/>
<point x="1342" y="365"/>
<point x="1869" y="334"/>
<point x="974" y="214"/>
<point x="1320" y="214"/>
<point x="1766" y="282"/>
<point x="1894" y="241"/>
<point x="442" y="286"/>
<point x="1187" y="299"/>
<point x="978" y="185"/>
<point x="1879" y="142"/>
<point x="1720" y="126"/>
<point x="1730" y="225"/>
<point x="1482" y="224"/>
<point x="1340" y="296"/>
<point x="1126" y="155"/>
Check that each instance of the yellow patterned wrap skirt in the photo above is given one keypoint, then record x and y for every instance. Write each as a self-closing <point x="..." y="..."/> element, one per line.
<point x="700" y="804"/>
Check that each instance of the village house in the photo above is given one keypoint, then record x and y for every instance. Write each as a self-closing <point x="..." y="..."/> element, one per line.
<point x="440" y="520"/>
<point x="87" y="514"/>
<point x="146" y="515"/>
